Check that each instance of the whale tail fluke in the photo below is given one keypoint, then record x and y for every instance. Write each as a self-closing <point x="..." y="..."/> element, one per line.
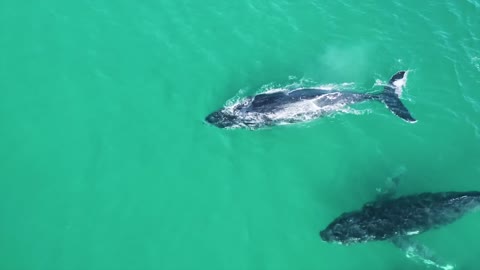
<point x="390" y="97"/>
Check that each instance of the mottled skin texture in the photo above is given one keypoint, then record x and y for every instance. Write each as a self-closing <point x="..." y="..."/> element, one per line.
<point x="255" y="111"/>
<point x="404" y="216"/>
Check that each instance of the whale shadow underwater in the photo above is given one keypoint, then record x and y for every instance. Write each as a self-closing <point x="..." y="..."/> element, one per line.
<point x="398" y="219"/>
<point x="304" y="104"/>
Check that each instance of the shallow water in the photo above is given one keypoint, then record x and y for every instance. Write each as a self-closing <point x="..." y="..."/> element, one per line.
<point x="106" y="162"/>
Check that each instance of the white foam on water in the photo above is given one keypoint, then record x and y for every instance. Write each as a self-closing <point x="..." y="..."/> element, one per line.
<point x="305" y="83"/>
<point x="273" y="90"/>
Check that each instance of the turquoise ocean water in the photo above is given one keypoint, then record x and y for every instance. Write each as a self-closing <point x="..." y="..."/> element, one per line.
<point x="106" y="162"/>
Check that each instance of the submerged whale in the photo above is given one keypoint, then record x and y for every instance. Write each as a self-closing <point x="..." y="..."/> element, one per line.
<point x="398" y="220"/>
<point x="393" y="219"/>
<point x="285" y="107"/>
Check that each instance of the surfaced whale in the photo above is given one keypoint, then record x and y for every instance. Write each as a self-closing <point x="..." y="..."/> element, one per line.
<point x="285" y="107"/>
<point x="401" y="217"/>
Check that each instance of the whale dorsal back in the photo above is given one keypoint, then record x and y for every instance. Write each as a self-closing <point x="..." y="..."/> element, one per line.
<point x="266" y="99"/>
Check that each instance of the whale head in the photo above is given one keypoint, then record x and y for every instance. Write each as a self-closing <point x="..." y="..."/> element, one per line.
<point x="347" y="229"/>
<point x="222" y="119"/>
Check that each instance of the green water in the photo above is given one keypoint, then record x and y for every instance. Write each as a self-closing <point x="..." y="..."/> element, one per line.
<point x="106" y="163"/>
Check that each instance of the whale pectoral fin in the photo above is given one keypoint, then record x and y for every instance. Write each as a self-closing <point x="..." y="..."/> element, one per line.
<point x="420" y="253"/>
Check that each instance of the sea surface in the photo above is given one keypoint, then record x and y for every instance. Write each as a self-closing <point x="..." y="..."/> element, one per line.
<point x="106" y="161"/>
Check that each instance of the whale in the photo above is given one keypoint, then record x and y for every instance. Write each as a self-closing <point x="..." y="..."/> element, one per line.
<point x="400" y="217"/>
<point x="304" y="104"/>
<point x="398" y="220"/>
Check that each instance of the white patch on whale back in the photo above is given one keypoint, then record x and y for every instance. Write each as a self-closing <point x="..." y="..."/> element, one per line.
<point x="413" y="232"/>
<point x="305" y="83"/>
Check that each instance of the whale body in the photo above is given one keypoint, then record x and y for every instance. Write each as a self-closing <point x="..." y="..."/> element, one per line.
<point x="398" y="218"/>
